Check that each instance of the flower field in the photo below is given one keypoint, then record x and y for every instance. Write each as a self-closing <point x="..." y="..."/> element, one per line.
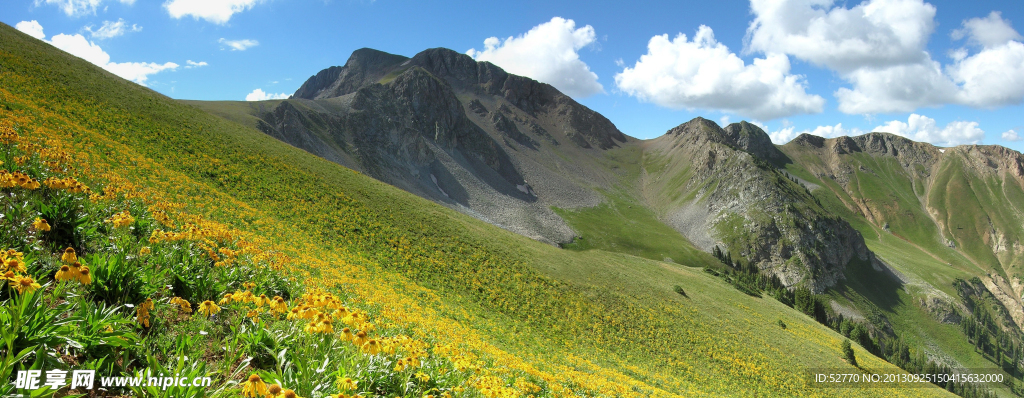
<point x="142" y="237"/>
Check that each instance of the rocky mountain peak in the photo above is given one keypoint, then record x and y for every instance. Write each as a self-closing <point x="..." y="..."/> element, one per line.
<point x="743" y="136"/>
<point x="753" y="140"/>
<point x="365" y="66"/>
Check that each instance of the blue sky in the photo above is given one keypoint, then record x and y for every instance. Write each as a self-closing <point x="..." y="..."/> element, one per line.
<point x="947" y="72"/>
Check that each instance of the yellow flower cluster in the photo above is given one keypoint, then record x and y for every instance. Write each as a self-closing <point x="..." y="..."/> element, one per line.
<point x="12" y="265"/>
<point x="8" y="135"/>
<point x="72" y="269"/>
<point x="17" y="179"/>
<point x="161" y="217"/>
<point x="142" y="312"/>
<point x="184" y="304"/>
<point x="122" y="219"/>
<point x="68" y="183"/>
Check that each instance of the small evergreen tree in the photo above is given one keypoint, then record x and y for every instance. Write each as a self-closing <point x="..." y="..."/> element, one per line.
<point x="848" y="354"/>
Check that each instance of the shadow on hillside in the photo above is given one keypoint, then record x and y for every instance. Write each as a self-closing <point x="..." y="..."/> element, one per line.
<point x="880" y="287"/>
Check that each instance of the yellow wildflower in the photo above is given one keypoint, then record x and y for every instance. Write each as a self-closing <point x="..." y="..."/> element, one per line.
<point x="145" y="251"/>
<point x="347" y="384"/>
<point x="64" y="274"/>
<point x="122" y="219"/>
<point x="41" y="224"/>
<point x="273" y="391"/>
<point x="25" y="284"/>
<point x="208" y="308"/>
<point x="278" y="304"/>
<point x="359" y="339"/>
<point x="184" y="304"/>
<point x="16" y="264"/>
<point x="69" y="256"/>
<point x="226" y="299"/>
<point x="83" y="275"/>
<point x="372" y="347"/>
<point x="254" y="387"/>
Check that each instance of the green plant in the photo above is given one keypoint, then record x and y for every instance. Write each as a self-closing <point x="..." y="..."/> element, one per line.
<point x="302" y="367"/>
<point x="30" y="322"/>
<point x="67" y="221"/>
<point x="117" y="280"/>
<point x="178" y="368"/>
<point x="102" y="330"/>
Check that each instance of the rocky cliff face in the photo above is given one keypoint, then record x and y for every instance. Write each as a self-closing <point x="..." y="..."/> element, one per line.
<point x="738" y="200"/>
<point x="444" y="126"/>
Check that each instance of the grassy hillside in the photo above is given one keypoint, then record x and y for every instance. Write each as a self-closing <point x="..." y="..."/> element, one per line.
<point x="889" y="206"/>
<point x="496" y="314"/>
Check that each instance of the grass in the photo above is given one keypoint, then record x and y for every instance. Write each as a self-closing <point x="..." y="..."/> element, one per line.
<point x="498" y="313"/>
<point x="624" y="226"/>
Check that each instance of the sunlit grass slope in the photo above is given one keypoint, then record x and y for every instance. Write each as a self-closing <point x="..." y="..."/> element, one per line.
<point x="590" y="323"/>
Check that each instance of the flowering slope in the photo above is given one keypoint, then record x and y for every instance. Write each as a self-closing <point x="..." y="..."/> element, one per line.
<point x="217" y="251"/>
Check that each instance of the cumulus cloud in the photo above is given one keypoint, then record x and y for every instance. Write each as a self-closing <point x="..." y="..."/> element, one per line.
<point x="1011" y="135"/>
<point x="899" y="88"/>
<point x="77" y="8"/>
<point x="992" y="77"/>
<point x="923" y="128"/>
<point x="703" y="73"/>
<point x="189" y="64"/>
<point x="31" y="28"/>
<point x="79" y="46"/>
<point x="112" y="29"/>
<point x="875" y="33"/>
<point x="238" y="45"/>
<point x="879" y="47"/>
<point x="549" y="53"/>
<point x="786" y="134"/>
<point x="990" y="31"/>
<point x="259" y="95"/>
<point x="215" y="11"/>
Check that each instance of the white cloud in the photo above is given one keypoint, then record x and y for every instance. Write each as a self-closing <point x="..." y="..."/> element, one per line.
<point x="899" y="88"/>
<point x="723" y="121"/>
<point x="238" y="45"/>
<point x="113" y="29"/>
<point x="77" y="8"/>
<point x="138" y="71"/>
<point x="992" y="77"/>
<point x="923" y="128"/>
<point x="215" y="11"/>
<point x="189" y="64"/>
<point x="549" y="52"/>
<point x="31" y="28"/>
<point x="79" y="46"/>
<point x="703" y="74"/>
<point x="990" y="31"/>
<point x="259" y="95"/>
<point x="875" y="33"/>
<point x="786" y="134"/>
<point x="1011" y="135"/>
<point x="879" y="47"/>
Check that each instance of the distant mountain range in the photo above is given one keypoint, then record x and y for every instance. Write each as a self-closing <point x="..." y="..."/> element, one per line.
<point x="508" y="150"/>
